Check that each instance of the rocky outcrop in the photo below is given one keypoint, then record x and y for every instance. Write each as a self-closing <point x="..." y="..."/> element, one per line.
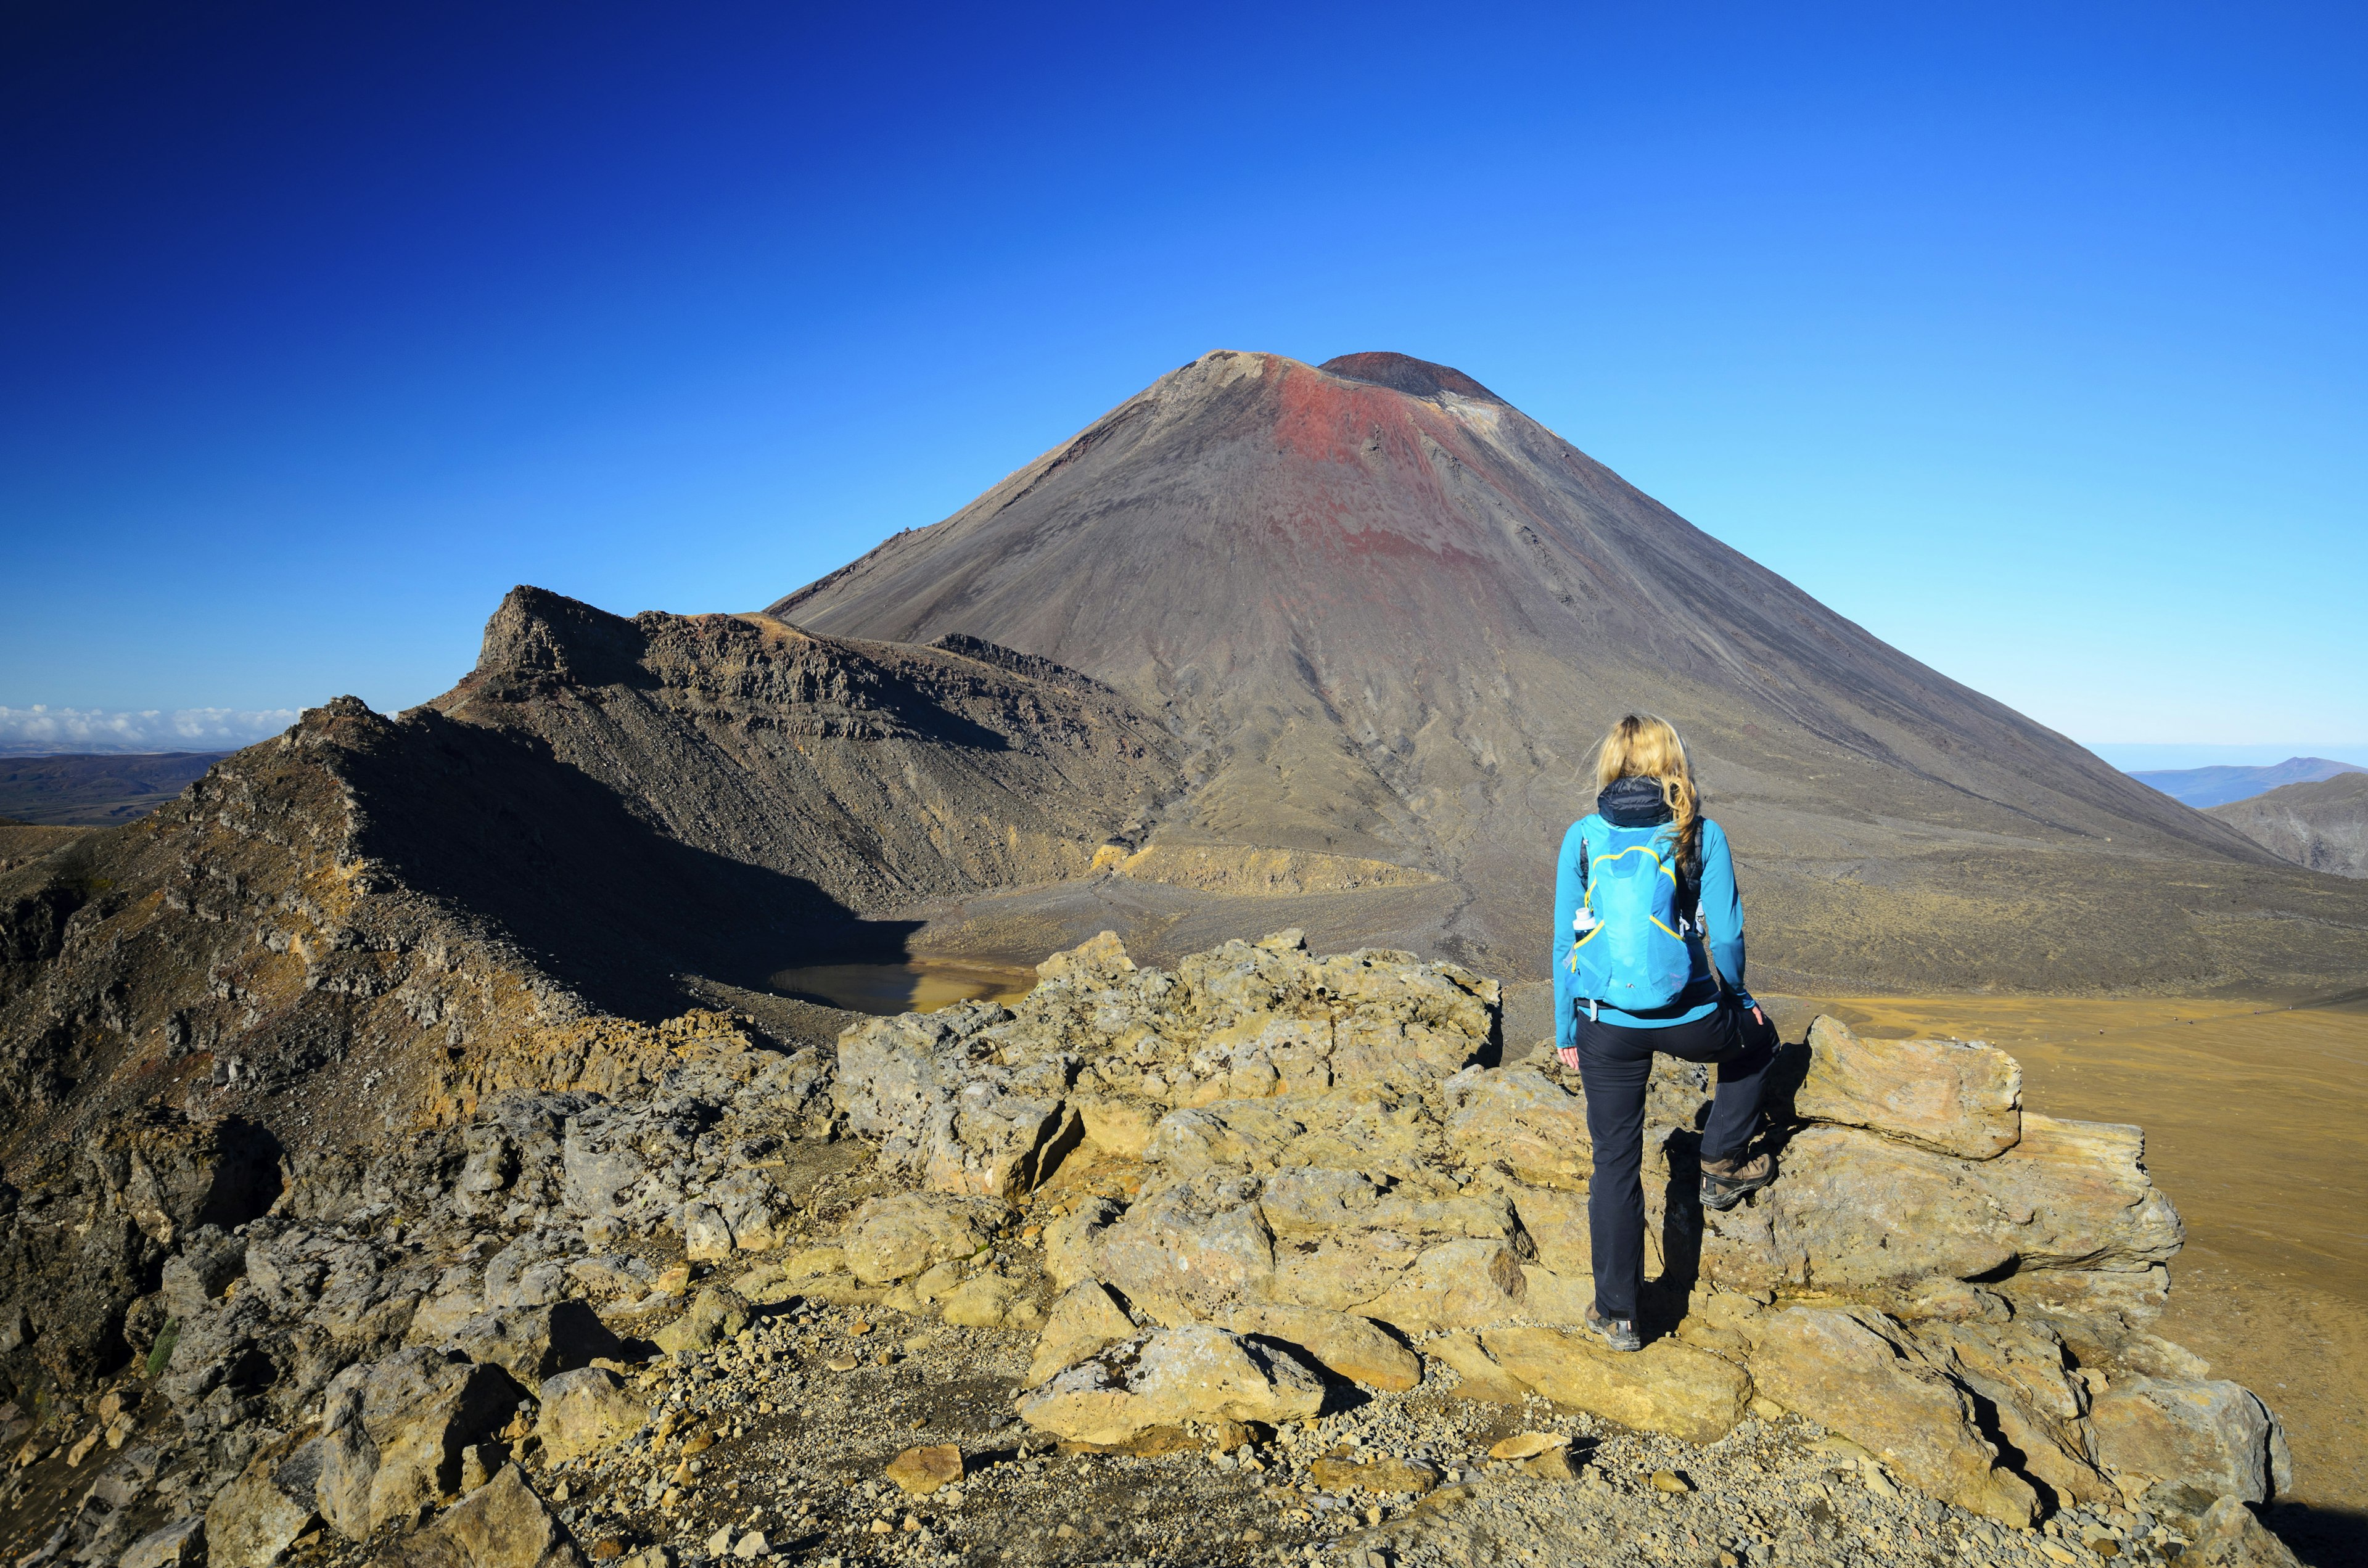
<point x="1202" y="1206"/>
<point x="1973" y="1241"/>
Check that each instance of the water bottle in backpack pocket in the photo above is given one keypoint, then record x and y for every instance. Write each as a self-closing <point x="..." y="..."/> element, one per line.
<point x="1628" y="949"/>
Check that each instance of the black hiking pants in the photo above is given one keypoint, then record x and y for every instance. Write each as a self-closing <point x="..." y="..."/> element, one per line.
<point x="1615" y="1063"/>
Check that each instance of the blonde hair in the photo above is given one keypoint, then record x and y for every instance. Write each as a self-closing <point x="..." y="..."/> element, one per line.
<point x="1642" y="745"/>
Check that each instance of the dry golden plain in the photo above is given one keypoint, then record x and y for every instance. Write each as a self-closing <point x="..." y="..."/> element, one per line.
<point x="2254" y="1116"/>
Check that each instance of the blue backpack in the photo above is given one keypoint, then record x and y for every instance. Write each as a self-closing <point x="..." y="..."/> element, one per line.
<point x="1628" y="939"/>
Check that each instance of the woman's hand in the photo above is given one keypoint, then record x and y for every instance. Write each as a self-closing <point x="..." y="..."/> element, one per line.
<point x="1569" y="1055"/>
<point x="1758" y="1016"/>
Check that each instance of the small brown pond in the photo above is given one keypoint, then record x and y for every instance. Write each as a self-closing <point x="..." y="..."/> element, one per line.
<point x="915" y="985"/>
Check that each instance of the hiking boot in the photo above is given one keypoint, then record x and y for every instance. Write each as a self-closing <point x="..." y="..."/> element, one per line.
<point x="1724" y="1182"/>
<point x="1618" y="1333"/>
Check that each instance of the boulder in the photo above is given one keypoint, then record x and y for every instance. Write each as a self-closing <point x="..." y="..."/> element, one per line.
<point x="2022" y="1369"/>
<point x="341" y="1488"/>
<point x="807" y="1263"/>
<point x="1190" y="1249"/>
<point x="1171" y="1376"/>
<point x="395" y="1430"/>
<point x="749" y="1209"/>
<point x="991" y="1300"/>
<point x="170" y="1175"/>
<point x="1556" y="1224"/>
<point x="2228" y="1536"/>
<point x="919" y="1472"/>
<point x="1071" y="1239"/>
<point x="2091" y="1204"/>
<point x="980" y="1098"/>
<point x="1385" y="1473"/>
<point x="1856" y="1373"/>
<point x="1854" y="1211"/>
<point x="950" y="1107"/>
<point x="1116" y="1125"/>
<point x="1253" y="1134"/>
<point x="1420" y="1255"/>
<point x="937" y="1282"/>
<point x="1947" y="1096"/>
<point x="1452" y="1283"/>
<point x="603" y="1174"/>
<point x="195" y="1277"/>
<point x="1086" y="1319"/>
<point x="1100" y="957"/>
<point x="2183" y="1443"/>
<point x="175" y="1546"/>
<point x="705" y="1237"/>
<point x="532" y="1342"/>
<point x="714" y="1316"/>
<point x="1667" y="1387"/>
<point x="255" y="1518"/>
<point x="898" y="1236"/>
<point x="500" y="1525"/>
<point x="1342" y="1342"/>
<point x="585" y="1411"/>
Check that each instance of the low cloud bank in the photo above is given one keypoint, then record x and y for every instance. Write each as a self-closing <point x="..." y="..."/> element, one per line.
<point x="26" y="732"/>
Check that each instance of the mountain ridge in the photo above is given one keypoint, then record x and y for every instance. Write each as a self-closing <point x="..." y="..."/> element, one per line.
<point x="2319" y="823"/>
<point x="1391" y="623"/>
<point x="2218" y="786"/>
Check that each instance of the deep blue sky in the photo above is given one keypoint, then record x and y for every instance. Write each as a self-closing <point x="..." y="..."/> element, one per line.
<point x="2034" y="340"/>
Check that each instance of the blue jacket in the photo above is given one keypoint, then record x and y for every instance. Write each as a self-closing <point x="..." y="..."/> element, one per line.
<point x="1722" y="912"/>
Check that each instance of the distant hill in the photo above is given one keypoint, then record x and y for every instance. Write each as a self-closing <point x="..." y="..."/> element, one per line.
<point x="2205" y="786"/>
<point x="1388" y="615"/>
<point x="2322" y="825"/>
<point x="95" y="789"/>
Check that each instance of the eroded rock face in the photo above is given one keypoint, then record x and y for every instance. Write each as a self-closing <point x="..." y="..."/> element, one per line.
<point x="2183" y="1442"/>
<point x="1858" y="1212"/>
<point x="1853" y="1372"/>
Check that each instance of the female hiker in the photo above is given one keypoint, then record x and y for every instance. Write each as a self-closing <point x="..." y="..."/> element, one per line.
<point x="1641" y="881"/>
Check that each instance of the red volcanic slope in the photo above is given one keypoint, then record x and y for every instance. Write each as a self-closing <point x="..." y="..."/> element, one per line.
<point x="1390" y="613"/>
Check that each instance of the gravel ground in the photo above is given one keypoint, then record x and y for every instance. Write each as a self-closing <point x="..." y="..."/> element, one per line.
<point x="785" y="1432"/>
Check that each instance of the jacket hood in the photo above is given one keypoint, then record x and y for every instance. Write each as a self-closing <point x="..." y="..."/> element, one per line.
<point x="1633" y="803"/>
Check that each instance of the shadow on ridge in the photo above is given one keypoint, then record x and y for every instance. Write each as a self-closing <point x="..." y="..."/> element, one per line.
<point x="604" y="900"/>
